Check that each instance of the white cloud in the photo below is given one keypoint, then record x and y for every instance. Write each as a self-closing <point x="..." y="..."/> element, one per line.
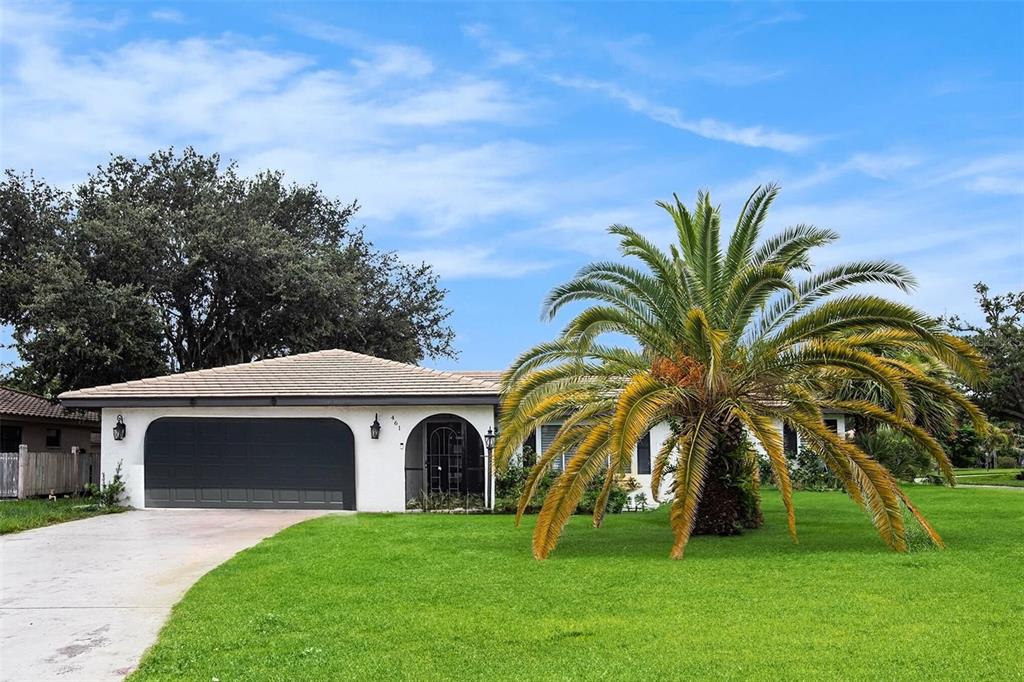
<point x="425" y="190"/>
<point x="380" y="130"/>
<point x="586" y="231"/>
<point x="990" y="184"/>
<point x="474" y="262"/>
<point x="882" y="165"/>
<point x="734" y="73"/>
<point x="167" y="15"/>
<point x="26" y="25"/>
<point x="994" y="174"/>
<point x="711" y="128"/>
<point x="500" y="52"/>
<point x="385" y="59"/>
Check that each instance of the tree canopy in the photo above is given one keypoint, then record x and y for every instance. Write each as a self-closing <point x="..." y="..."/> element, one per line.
<point x="1001" y="340"/>
<point x="178" y="262"/>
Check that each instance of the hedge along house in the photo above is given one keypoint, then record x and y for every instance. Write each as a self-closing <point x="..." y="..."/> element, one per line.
<point x="330" y="429"/>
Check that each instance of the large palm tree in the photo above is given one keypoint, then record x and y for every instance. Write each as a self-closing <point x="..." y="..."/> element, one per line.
<point x="746" y="338"/>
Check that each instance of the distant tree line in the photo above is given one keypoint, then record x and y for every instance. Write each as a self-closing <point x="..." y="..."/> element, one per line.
<point x="178" y="262"/>
<point x="1000" y="338"/>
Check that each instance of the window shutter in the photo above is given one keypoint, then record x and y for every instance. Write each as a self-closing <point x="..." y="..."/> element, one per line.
<point x="547" y="436"/>
<point x="789" y="440"/>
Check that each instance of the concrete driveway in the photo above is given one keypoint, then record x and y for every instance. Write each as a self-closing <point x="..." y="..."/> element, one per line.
<point x="83" y="600"/>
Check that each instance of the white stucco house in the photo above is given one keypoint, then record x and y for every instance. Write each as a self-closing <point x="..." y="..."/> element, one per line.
<point x="330" y="429"/>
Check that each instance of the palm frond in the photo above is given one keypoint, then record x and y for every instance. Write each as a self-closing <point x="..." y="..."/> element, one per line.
<point x="770" y="439"/>
<point x="748" y="228"/>
<point x="660" y="465"/>
<point x="568" y="488"/>
<point x="689" y="481"/>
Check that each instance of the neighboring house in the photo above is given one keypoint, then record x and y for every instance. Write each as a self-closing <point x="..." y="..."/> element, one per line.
<point x="45" y="426"/>
<point x="330" y="429"/>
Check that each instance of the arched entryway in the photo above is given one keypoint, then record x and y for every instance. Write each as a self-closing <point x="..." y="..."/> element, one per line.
<point x="444" y="455"/>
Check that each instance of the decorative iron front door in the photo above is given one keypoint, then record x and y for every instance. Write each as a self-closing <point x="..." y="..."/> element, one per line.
<point x="445" y="457"/>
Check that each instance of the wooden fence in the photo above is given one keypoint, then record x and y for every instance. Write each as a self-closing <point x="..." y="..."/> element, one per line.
<point x="28" y="474"/>
<point x="8" y="474"/>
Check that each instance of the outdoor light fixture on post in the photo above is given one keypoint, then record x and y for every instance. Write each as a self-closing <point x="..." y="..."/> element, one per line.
<point x="375" y="428"/>
<point x="119" y="428"/>
<point x="490" y="438"/>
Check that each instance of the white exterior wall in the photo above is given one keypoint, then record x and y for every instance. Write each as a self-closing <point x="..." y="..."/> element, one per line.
<point x="658" y="435"/>
<point x="662" y="431"/>
<point x="380" y="464"/>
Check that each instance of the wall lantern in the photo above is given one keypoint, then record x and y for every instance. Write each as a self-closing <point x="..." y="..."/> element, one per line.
<point x="375" y="428"/>
<point x="119" y="428"/>
<point x="490" y="438"/>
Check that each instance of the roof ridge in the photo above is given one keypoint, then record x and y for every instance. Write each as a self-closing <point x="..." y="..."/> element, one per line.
<point x="421" y="368"/>
<point x="26" y="393"/>
<point x="204" y="371"/>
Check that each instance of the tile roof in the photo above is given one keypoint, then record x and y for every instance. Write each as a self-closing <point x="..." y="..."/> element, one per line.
<point x="14" y="403"/>
<point x="490" y="376"/>
<point x="322" y="374"/>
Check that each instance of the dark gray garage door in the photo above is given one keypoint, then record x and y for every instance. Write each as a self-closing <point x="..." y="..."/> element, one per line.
<point x="258" y="463"/>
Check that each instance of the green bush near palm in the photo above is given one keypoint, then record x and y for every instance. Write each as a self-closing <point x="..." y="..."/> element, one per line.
<point x="511" y="482"/>
<point x="897" y="452"/>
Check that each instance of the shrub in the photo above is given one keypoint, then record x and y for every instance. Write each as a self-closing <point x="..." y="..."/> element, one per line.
<point x="765" y="473"/>
<point x="108" y="494"/>
<point x="617" y="496"/>
<point x="1006" y="462"/>
<point x="445" y="502"/>
<point x="807" y="471"/>
<point x="897" y="452"/>
<point x="511" y="483"/>
<point x="964" y="446"/>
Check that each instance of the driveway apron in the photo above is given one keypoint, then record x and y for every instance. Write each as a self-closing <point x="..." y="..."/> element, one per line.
<point x="83" y="600"/>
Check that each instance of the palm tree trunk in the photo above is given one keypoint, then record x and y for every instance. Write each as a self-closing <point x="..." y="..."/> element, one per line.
<point x="730" y="501"/>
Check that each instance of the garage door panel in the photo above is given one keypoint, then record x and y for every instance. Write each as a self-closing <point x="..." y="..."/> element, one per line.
<point x="211" y="494"/>
<point x="236" y="494"/>
<point x="288" y="496"/>
<point x="265" y="496"/>
<point x="182" y="495"/>
<point x="158" y="494"/>
<point x="212" y="462"/>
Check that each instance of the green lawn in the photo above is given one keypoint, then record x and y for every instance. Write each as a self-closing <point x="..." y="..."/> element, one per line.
<point x="1006" y="477"/>
<point x="443" y="597"/>
<point x="19" y="515"/>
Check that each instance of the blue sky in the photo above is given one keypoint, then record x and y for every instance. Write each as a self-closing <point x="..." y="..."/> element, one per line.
<point x="499" y="141"/>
